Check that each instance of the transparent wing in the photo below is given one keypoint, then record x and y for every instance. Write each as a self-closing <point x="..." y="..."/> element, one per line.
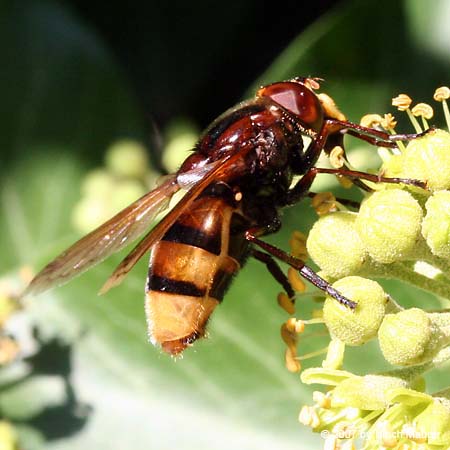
<point x="125" y="227"/>
<point x="197" y="181"/>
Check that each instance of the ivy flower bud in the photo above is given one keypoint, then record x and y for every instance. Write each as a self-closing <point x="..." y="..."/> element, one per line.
<point x="335" y="246"/>
<point x="412" y="336"/>
<point x="125" y="192"/>
<point x="356" y="327"/>
<point x="388" y="224"/>
<point x="428" y="159"/>
<point x="127" y="158"/>
<point x="403" y="337"/>
<point x="436" y="224"/>
<point x="98" y="183"/>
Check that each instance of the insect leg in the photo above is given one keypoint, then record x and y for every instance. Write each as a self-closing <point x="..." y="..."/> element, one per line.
<point x="371" y="135"/>
<point x="275" y="270"/>
<point x="299" y="265"/>
<point x="301" y="189"/>
<point x="333" y="130"/>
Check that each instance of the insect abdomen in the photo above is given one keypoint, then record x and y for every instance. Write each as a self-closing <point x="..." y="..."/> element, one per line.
<point x="190" y="270"/>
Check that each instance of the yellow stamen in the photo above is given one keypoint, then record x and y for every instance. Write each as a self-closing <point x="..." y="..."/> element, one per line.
<point x="309" y="417"/>
<point x="441" y="93"/>
<point x="297" y="244"/>
<point x="424" y="111"/>
<point x="402" y="102"/>
<point x="388" y="122"/>
<point x="295" y="280"/>
<point x="286" y="303"/>
<point x="337" y="157"/>
<point x="371" y="120"/>
<point x="323" y="203"/>
<point x="291" y="361"/>
<point x="322" y="400"/>
<point x="299" y="326"/>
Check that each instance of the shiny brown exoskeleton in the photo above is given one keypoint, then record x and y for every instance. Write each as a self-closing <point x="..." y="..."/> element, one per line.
<point x="237" y="180"/>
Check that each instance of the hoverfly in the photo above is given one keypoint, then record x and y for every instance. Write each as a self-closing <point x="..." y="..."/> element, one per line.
<point x="237" y="179"/>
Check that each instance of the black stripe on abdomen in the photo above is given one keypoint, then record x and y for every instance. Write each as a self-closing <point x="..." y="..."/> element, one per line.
<point x="184" y="234"/>
<point x="162" y="284"/>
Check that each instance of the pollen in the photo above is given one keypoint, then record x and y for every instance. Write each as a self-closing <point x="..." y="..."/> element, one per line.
<point x="370" y="120"/>
<point x="324" y="203"/>
<point x="296" y="282"/>
<point x="286" y="303"/>
<point x="289" y="336"/>
<point x="291" y="361"/>
<point x="322" y="400"/>
<point x="337" y="157"/>
<point x="309" y="417"/>
<point x="402" y="102"/>
<point x="388" y="122"/>
<point x="441" y="93"/>
<point x="423" y="110"/>
<point x="297" y="243"/>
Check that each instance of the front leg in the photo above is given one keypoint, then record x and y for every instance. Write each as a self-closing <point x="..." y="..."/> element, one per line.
<point x="298" y="264"/>
<point x="301" y="189"/>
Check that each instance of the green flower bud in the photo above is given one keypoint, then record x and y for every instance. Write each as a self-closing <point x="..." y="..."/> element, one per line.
<point x="368" y="392"/>
<point x="436" y="224"/>
<point x="389" y="225"/>
<point x="181" y="137"/>
<point x="412" y="336"/>
<point x="97" y="183"/>
<point x="124" y="193"/>
<point x="335" y="246"/>
<point x="428" y="159"/>
<point x="404" y="336"/>
<point x="89" y="213"/>
<point x="127" y="158"/>
<point x="355" y="327"/>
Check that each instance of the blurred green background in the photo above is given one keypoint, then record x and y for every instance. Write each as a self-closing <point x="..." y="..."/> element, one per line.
<point x="74" y="78"/>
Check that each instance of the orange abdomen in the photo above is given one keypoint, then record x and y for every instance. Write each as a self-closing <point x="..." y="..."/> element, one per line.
<point x="190" y="270"/>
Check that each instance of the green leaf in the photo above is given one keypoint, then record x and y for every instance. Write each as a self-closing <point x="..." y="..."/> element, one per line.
<point x="91" y="379"/>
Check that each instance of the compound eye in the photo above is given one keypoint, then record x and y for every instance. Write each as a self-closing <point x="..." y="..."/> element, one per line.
<point x="297" y="99"/>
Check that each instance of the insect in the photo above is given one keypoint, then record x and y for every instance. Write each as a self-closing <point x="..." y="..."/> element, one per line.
<point x="237" y="179"/>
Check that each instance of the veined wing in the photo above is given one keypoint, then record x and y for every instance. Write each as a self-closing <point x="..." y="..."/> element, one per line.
<point x="214" y="171"/>
<point x="125" y="227"/>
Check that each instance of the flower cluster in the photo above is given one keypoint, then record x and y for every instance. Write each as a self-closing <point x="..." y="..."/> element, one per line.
<point x="398" y="231"/>
<point x="10" y="304"/>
